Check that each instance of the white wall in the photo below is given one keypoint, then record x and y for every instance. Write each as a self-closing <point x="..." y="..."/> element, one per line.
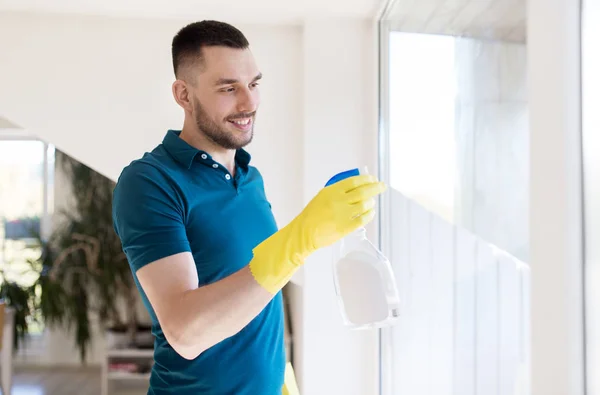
<point x="99" y="89"/>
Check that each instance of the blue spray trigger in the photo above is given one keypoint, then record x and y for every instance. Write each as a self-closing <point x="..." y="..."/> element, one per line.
<point x="343" y="175"/>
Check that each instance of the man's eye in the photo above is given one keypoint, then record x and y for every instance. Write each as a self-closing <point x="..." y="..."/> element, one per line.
<point x="254" y="84"/>
<point x="230" y="89"/>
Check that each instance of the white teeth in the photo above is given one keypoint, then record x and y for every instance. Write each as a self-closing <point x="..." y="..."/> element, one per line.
<point x="242" y="121"/>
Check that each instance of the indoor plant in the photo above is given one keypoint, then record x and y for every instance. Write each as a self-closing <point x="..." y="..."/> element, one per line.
<point x="84" y="268"/>
<point x="81" y="269"/>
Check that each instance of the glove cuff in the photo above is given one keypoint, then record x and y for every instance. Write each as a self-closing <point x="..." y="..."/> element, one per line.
<point x="275" y="261"/>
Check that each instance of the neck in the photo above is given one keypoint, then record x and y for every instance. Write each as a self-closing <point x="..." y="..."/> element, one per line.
<point x="194" y="137"/>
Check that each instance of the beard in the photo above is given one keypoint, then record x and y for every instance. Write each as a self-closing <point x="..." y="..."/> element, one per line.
<point x="220" y="135"/>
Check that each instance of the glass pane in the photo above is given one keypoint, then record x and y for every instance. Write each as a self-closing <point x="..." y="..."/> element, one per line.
<point x="422" y="119"/>
<point x="26" y="203"/>
<point x="458" y="133"/>
<point x="21" y="206"/>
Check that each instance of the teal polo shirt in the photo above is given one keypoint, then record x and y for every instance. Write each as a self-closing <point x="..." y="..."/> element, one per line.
<point x="177" y="198"/>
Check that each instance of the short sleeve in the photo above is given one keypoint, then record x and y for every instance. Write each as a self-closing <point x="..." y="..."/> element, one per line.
<point x="148" y="216"/>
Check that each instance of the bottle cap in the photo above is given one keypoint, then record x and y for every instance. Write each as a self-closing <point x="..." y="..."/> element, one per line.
<point x="346" y="174"/>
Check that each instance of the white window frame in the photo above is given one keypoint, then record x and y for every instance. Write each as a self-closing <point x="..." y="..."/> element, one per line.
<point x="384" y="231"/>
<point x="590" y="57"/>
<point x="556" y="212"/>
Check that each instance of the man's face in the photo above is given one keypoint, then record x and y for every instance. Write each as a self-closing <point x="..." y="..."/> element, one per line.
<point x="225" y="96"/>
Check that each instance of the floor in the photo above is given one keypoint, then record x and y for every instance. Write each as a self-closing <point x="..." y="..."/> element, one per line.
<point x="66" y="382"/>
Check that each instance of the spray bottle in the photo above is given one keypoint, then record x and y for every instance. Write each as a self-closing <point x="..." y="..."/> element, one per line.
<point x="363" y="277"/>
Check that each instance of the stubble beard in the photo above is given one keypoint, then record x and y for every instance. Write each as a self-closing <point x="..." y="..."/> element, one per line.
<point x="219" y="135"/>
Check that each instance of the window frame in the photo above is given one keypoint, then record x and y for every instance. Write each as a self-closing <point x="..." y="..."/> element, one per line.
<point x="590" y="11"/>
<point x="383" y="151"/>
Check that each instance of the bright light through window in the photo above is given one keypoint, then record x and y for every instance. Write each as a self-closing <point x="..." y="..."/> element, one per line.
<point x="422" y="119"/>
<point x="21" y="179"/>
<point x="26" y="185"/>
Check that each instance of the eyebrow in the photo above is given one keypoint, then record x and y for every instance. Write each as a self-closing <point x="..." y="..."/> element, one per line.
<point x="228" y="81"/>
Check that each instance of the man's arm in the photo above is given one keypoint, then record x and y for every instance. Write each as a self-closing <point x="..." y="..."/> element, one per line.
<point x="149" y="216"/>
<point x="194" y="319"/>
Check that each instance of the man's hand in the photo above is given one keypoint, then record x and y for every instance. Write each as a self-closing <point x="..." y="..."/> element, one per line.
<point x="334" y="212"/>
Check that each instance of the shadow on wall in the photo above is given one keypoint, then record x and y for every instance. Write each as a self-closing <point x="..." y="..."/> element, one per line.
<point x="6" y="124"/>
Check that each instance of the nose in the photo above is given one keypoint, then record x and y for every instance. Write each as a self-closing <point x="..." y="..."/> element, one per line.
<point x="247" y="100"/>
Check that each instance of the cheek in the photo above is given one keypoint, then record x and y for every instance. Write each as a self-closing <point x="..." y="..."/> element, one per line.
<point x="210" y="108"/>
<point x="223" y="107"/>
<point x="256" y="97"/>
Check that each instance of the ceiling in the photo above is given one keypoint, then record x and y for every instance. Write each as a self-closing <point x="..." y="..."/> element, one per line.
<point x="493" y="19"/>
<point x="239" y="11"/>
<point x="504" y="20"/>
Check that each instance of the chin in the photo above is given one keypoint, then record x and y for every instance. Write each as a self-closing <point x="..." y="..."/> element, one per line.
<point x="244" y="142"/>
<point x="248" y="138"/>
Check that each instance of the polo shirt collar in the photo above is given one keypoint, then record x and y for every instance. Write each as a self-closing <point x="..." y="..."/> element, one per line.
<point x="185" y="154"/>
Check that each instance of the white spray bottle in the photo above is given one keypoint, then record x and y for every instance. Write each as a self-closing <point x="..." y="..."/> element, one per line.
<point x="364" y="280"/>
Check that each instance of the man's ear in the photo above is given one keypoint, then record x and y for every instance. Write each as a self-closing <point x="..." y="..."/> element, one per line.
<point x="182" y="95"/>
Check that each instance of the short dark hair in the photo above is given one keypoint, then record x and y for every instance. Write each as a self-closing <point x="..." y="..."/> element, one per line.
<point x="188" y="42"/>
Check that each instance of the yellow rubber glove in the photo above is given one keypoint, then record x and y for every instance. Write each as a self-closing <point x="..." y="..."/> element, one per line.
<point x="333" y="213"/>
<point x="290" y="387"/>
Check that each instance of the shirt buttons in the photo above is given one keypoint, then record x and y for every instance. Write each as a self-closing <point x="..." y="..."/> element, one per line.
<point x="227" y="176"/>
<point x="203" y="156"/>
<point x="215" y="165"/>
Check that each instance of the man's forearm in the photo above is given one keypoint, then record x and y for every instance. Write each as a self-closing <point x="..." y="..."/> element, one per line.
<point x="211" y="313"/>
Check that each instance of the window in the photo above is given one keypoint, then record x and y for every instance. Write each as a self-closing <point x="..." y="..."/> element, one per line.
<point x="26" y="206"/>
<point x="455" y="150"/>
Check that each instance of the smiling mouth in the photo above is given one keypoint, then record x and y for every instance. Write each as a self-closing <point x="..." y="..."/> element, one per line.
<point x="242" y="123"/>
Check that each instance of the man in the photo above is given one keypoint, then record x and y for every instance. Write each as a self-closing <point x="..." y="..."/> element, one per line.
<point x="200" y="236"/>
